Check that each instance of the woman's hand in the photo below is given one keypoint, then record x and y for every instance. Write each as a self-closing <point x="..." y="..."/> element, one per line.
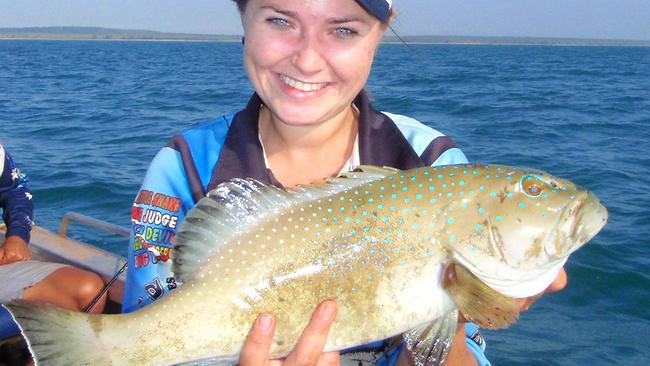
<point x="14" y="249"/>
<point x="308" y="351"/>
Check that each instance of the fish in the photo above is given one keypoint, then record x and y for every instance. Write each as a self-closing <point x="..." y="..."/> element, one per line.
<point x="401" y="252"/>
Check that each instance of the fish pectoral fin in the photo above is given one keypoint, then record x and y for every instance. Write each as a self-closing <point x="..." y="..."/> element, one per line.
<point x="430" y="343"/>
<point x="478" y="302"/>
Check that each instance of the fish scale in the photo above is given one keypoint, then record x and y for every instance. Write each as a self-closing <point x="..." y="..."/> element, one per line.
<point x="397" y="250"/>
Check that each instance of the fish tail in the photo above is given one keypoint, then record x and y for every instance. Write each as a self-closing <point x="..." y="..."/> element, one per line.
<point x="57" y="336"/>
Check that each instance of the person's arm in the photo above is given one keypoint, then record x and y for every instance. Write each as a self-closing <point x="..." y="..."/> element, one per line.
<point x="159" y="207"/>
<point x="17" y="206"/>
<point x="14" y="249"/>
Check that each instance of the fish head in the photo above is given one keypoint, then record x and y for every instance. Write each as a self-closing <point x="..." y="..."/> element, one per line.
<point x="527" y="223"/>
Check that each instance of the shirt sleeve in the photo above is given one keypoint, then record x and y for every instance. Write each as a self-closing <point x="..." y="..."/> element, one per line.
<point x="161" y="204"/>
<point x="15" y="198"/>
<point x="476" y="344"/>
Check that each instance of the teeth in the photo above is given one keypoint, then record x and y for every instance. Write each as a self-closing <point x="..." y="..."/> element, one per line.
<point x="306" y="87"/>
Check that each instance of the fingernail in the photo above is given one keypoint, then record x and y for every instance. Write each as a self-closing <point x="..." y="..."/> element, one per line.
<point x="264" y="322"/>
<point x="328" y="312"/>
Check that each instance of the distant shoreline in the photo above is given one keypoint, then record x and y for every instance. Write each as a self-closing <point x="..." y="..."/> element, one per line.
<point x="108" y="34"/>
<point x="386" y="41"/>
<point x="4" y="37"/>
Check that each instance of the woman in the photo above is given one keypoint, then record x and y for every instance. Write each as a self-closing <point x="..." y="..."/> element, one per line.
<point x="309" y="118"/>
<point x="58" y="284"/>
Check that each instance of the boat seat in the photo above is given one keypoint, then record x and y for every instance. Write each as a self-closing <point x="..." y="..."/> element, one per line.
<point x="8" y="328"/>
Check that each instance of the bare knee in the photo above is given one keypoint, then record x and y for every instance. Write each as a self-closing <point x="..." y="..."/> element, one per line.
<point x="90" y="284"/>
<point x="68" y="287"/>
<point x="81" y="287"/>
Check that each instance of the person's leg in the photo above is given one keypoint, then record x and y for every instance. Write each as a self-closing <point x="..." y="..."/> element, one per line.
<point x="69" y="287"/>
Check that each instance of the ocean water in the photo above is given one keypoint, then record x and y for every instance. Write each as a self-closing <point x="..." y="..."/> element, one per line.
<point x="83" y="119"/>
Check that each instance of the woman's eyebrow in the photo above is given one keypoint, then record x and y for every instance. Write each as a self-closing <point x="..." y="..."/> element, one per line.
<point x="292" y="14"/>
<point x="284" y="12"/>
<point x="344" y="20"/>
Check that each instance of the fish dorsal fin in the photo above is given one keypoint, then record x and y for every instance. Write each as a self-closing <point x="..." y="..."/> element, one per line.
<point x="237" y="205"/>
<point x="478" y="302"/>
<point x="430" y="343"/>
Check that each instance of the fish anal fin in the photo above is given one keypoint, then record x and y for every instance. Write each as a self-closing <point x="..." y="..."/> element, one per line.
<point x="478" y="302"/>
<point x="430" y="343"/>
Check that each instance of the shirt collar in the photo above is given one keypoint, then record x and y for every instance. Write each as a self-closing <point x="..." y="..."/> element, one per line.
<point x="380" y="143"/>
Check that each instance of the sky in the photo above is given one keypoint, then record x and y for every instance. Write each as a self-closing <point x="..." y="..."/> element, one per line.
<point x="603" y="19"/>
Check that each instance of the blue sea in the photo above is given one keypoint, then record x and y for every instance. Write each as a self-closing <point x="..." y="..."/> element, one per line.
<point x="83" y="120"/>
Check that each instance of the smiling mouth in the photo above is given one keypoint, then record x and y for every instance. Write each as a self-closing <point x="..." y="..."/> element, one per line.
<point x="306" y="87"/>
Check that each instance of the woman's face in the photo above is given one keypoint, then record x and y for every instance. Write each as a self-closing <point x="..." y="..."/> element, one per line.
<point x="308" y="59"/>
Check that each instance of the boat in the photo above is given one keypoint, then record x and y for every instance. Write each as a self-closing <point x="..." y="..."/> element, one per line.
<point x="58" y="247"/>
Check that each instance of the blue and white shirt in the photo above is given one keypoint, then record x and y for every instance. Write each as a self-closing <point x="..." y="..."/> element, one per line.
<point x="228" y="147"/>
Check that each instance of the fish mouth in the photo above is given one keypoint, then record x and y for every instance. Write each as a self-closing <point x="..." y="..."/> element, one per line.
<point x="580" y="222"/>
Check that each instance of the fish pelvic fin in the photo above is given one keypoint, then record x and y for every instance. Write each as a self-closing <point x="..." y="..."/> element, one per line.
<point x="478" y="302"/>
<point x="57" y="336"/>
<point x="236" y="205"/>
<point x="430" y="343"/>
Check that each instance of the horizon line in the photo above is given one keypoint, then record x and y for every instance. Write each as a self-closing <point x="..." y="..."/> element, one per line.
<point x="134" y="32"/>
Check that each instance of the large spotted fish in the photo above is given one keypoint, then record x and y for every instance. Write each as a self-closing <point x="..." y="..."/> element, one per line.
<point x="400" y="251"/>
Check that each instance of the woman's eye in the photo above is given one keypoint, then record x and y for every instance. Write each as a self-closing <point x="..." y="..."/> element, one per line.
<point x="345" y="32"/>
<point x="279" y="22"/>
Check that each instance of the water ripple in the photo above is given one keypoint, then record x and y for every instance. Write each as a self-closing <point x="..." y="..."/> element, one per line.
<point x="84" y="119"/>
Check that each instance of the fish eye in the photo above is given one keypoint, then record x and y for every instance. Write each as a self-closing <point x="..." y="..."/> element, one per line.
<point x="531" y="186"/>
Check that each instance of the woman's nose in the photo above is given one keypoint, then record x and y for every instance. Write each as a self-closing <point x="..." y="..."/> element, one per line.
<point x="308" y="57"/>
